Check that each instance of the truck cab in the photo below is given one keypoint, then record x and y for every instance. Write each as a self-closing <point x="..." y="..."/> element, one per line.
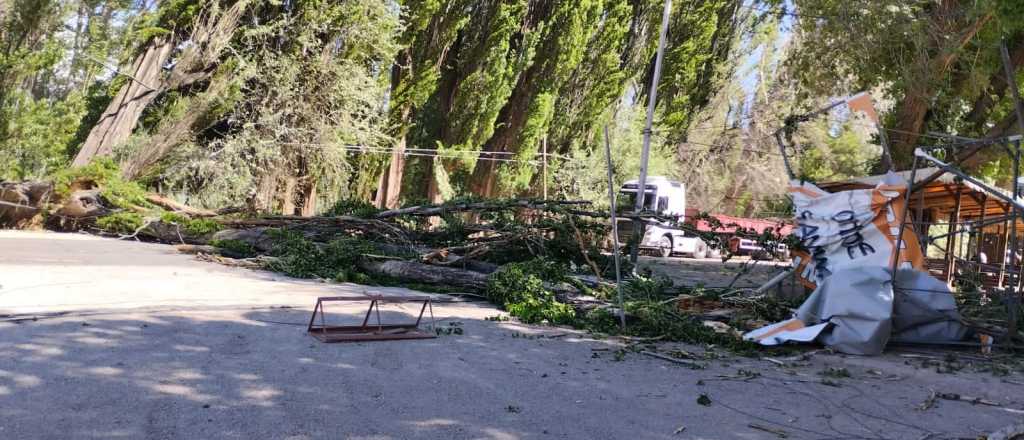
<point x="668" y="198"/>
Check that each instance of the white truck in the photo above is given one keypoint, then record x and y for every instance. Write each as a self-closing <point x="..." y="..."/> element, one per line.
<point x="666" y="197"/>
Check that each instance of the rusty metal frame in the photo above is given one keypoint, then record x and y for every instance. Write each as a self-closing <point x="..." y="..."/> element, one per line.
<point x="367" y="331"/>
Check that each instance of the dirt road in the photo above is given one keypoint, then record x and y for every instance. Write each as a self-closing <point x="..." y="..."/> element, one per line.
<point x="134" y="341"/>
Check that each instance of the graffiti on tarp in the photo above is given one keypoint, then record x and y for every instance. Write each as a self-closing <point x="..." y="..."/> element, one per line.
<point x="849" y="231"/>
<point x="809" y="238"/>
<point x="850" y="237"/>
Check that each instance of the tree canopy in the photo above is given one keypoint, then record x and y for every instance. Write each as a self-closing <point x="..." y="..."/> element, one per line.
<point x="290" y="106"/>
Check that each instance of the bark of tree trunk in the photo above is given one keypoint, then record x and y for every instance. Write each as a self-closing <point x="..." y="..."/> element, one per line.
<point x="122" y="115"/>
<point x="390" y="189"/>
<point x="309" y="197"/>
<point x="510" y="122"/>
<point x="288" y="199"/>
<point x="912" y="110"/>
<point x="425" y="273"/>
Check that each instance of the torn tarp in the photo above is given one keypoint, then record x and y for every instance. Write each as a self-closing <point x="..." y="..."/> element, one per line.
<point x="855" y="228"/>
<point x="851" y="241"/>
<point x="856" y="311"/>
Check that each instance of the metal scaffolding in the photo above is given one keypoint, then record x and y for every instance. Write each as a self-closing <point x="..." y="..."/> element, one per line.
<point x="964" y="263"/>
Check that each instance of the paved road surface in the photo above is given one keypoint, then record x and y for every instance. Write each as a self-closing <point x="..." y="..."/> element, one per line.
<point x="134" y="341"/>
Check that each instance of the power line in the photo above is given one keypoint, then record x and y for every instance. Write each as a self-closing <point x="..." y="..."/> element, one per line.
<point x="432" y="152"/>
<point x="419" y="152"/>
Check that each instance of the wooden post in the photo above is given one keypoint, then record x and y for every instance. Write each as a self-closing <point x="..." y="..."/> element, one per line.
<point x="980" y="236"/>
<point x="1002" y="255"/>
<point x="921" y="228"/>
<point x="954" y="220"/>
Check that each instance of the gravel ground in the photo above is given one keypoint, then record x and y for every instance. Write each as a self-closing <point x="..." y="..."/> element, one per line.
<point x="134" y="341"/>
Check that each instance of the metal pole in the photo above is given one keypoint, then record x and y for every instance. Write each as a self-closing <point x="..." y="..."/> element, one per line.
<point x="638" y="226"/>
<point x="615" y="228"/>
<point x="903" y="223"/>
<point x="979" y="234"/>
<point x="920" y="228"/>
<point x="945" y="167"/>
<point x="951" y="242"/>
<point x="1012" y="299"/>
<point x="544" y="167"/>
<point x="887" y="162"/>
<point x="1011" y="82"/>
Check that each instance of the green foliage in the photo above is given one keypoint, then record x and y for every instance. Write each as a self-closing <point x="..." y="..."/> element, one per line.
<point x="332" y="56"/>
<point x="585" y="175"/>
<point x="936" y="82"/>
<point x="237" y="248"/>
<point x="299" y="257"/>
<point x="827" y="158"/>
<point x="535" y="309"/>
<point x="195" y="227"/>
<point x="37" y="135"/>
<point x="653" y="288"/>
<point x="121" y="222"/>
<point x="520" y="289"/>
<point x="106" y="175"/>
<point x="354" y="208"/>
<point x="649" y="318"/>
<point x="701" y="35"/>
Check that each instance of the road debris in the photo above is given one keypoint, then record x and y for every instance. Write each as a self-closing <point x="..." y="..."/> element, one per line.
<point x="704" y="400"/>
<point x="778" y="432"/>
<point x="1008" y="433"/>
<point x="929" y="402"/>
<point x="968" y="399"/>
<point x="692" y="365"/>
<point x="870" y="289"/>
<point x="377" y="331"/>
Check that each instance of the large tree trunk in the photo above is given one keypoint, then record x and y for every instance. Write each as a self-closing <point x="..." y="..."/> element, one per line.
<point x="427" y="274"/>
<point x="171" y="134"/>
<point x="208" y="38"/>
<point x="122" y="115"/>
<point x="309" y="197"/>
<point x="914" y="107"/>
<point x="510" y="122"/>
<point x="288" y="197"/>
<point x="389" y="192"/>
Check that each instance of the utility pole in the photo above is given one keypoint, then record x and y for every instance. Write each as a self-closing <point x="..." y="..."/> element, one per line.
<point x="638" y="226"/>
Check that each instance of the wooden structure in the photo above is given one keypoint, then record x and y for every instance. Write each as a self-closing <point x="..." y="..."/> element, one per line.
<point x="965" y="232"/>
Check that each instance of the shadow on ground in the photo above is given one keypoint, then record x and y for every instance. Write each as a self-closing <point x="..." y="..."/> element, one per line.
<point x="257" y="374"/>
